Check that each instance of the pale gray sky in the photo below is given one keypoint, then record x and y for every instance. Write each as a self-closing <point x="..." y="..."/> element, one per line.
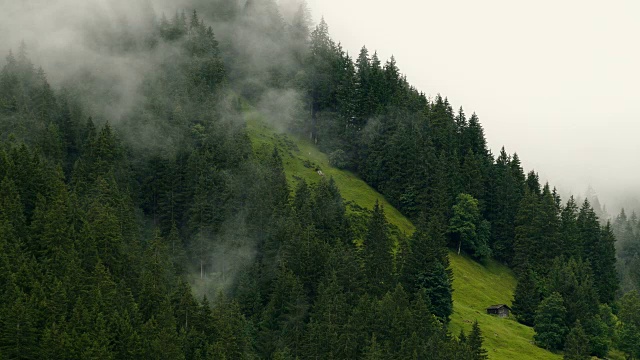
<point x="556" y="81"/>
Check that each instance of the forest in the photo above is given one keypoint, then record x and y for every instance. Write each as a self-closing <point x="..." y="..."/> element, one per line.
<point x="150" y="227"/>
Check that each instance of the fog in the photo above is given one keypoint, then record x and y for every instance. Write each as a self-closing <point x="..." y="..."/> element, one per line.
<point x="556" y="82"/>
<point x="100" y="51"/>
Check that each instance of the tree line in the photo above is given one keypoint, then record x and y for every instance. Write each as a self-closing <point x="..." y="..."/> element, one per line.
<point x="118" y="238"/>
<point x="105" y="243"/>
<point x="433" y="164"/>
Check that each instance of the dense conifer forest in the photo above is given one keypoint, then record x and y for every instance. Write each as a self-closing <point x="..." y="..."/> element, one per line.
<point x="162" y="233"/>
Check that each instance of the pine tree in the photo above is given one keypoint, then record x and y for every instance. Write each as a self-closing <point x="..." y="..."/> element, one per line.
<point x="12" y="212"/>
<point x="572" y="279"/>
<point x="303" y="205"/>
<point x="474" y="137"/>
<point x="473" y="175"/>
<point x="505" y="200"/>
<point x="328" y="318"/>
<point x="105" y="227"/>
<point x="549" y="223"/>
<point x="350" y="275"/>
<point x="533" y="183"/>
<point x="576" y="346"/>
<point x="160" y="338"/>
<point x="527" y="232"/>
<point x="320" y="63"/>
<point x="606" y="279"/>
<point x="568" y="234"/>
<point x="18" y="326"/>
<point x="373" y="351"/>
<point x="526" y="298"/>
<point x="231" y="337"/>
<point x="550" y="323"/>
<point x="282" y="323"/>
<point x="426" y="269"/>
<point x="474" y="341"/>
<point x="589" y="232"/>
<point x="328" y="211"/>
<point x="469" y="231"/>
<point x="50" y="232"/>
<point x="300" y="31"/>
<point x="378" y="260"/>
<point x="628" y="329"/>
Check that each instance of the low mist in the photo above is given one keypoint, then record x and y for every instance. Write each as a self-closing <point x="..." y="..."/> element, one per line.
<point x="105" y="54"/>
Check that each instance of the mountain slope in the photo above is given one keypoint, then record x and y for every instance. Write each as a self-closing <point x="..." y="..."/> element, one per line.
<point x="476" y="286"/>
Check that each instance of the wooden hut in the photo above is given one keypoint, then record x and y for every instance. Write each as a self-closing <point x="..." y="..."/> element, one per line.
<point x="500" y="310"/>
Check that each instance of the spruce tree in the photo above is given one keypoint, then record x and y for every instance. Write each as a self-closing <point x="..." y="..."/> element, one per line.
<point x="589" y="232"/>
<point x="572" y="279"/>
<point x="628" y="328"/>
<point x="576" y="346"/>
<point x="504" y="202"/>
<point x="425" y="270"/>
<point x="548" y="222"/>
<point x="606" y="279"/>
<point x="526" y="298"/>
<point x="474" y="341"/>
<point x="328" y="318"/>
<point x="527" y="233"/>
<point x="568" y="233"/>
<point x="550" y="323"/>
<point x="378" y="260"/>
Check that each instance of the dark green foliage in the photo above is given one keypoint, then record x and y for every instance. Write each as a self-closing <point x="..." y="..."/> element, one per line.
<point x="284" y="317"/>
<point x="607" y="282"/>
<point x="573" y="281"/>
<point x="328" y="212"/>
<point x="628" y="329"/>
<point x="109" y="230"/>
<point x="568" y="233"/>
<point x="550" y="323"/>
<point x="474" y="342"/>
<point x="576" y="346"/>
<point x="328" y="319"/>
<point x="470" y="232"/>
<point x="599" y="248"/>
<point x="378" y="260"/>
<point x="537" y="223"/>
<point x="526" y="298"/>
<point x="426" y="269"/>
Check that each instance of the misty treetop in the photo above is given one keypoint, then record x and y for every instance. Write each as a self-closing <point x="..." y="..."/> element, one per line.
<point x="108" y="244"/>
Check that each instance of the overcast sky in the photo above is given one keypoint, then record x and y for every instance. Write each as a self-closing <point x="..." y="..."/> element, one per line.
<point x="558" y="82"/>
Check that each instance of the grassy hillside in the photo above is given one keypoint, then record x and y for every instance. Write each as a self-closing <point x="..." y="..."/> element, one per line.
<point x="476" y="286"/>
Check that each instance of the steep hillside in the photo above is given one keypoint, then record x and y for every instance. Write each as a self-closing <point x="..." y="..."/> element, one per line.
<point x="476" y="286"/>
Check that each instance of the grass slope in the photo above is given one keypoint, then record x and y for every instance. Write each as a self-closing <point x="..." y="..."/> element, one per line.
<point x="476" y="286"/>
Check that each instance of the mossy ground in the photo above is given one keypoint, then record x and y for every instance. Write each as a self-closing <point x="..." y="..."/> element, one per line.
<point x="476" y="285"/>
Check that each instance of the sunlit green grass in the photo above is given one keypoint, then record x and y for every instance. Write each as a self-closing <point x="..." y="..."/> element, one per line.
<point x="476" y="285"/>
